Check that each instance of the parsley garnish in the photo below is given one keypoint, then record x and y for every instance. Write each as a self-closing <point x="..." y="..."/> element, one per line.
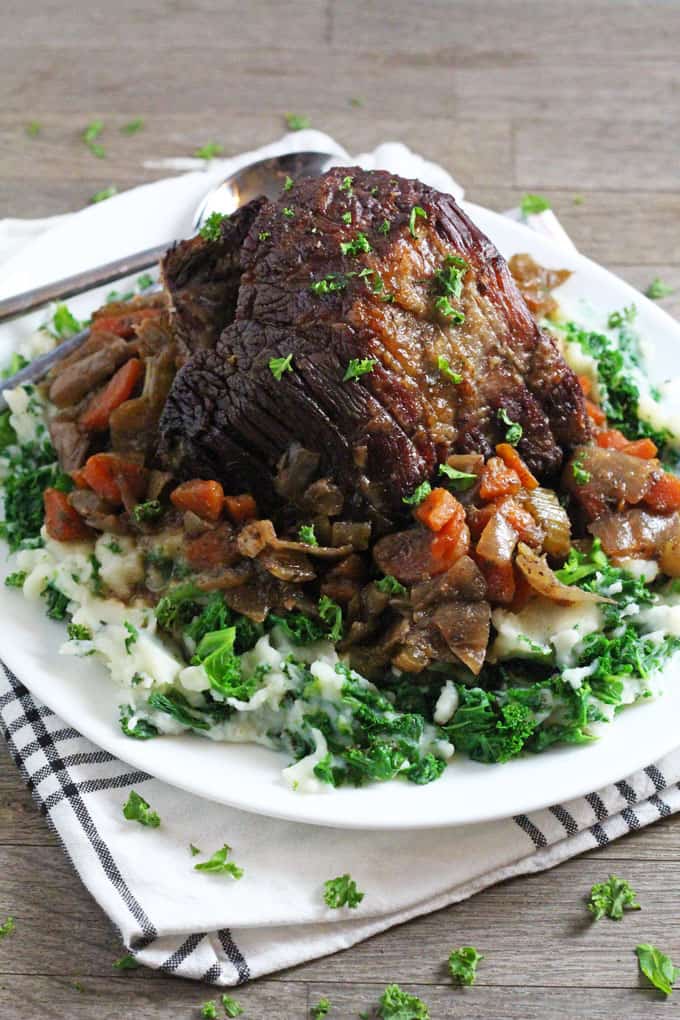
<point x="57" y="602"/>
<point x="347" y="217"/>
<point x="145" y="512"/>
<point x="145" y="281"/>
<point x="384" y="227"/>
<point x="132" y="126"/>
<point x="389" y="585"/>
<point x="288" y="184"/>
<point x="514" y="429"/>
<point x="264" y="234"/>
<point x="212" y="228"/>
<point x="657" y="289"/>
<point x="194" y="851"/>
<point x="445" y="308"/>
<point x="64" y="323"/>
<point x="289" y="212"/>
<point x="133" y="635"/>
<point x="319" y="1011"/>
<point x="296" y="122"/>
<point x="657" y="968"/>
<point x="581" y="476"/>
<point x="618" y="319"/>
<point x="330" y="284"/>
<point x="463" y="964"/>
<point x="90" y="135"/>
<point x="415" y="212"/>
<point x="530" y="205"/>
<point x="306" y="535"/>
<point x="342" y="892"/>
<point x="347" y="184"/>
<point x="209" y="150"/>
<point x="396" y="1004"/>
<point x="231" y="1006"/>
<point x="460" y="480"/>
<point x="358" y="367"/>
<point x="277" y="366"/>
<point x="78" y="632"/>
<point x="7" y="927"/>
<point x="218" y="864"/>
<point x="444" y="367"/>
<point x="331" y="614"/>
<point x="357" y="246"/>
<point x="611" y="898"/>
<point x="33" y="128"/>
<point x="101" y="196"/>
<point x="418" y="495"/>
<point x="16" y="579"/>
<point x="209" y="1010"/>
<point x="127" y="962"/>
<point x="136" y="809"/>
<point x="449" y="280"/>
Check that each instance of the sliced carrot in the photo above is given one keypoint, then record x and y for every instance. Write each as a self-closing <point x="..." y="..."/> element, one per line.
<point x="241" y="508"/>
<point x="79" y="479"/>
<point x="498" y="480"/>
<point x="664" y="493"/>
<point x="437" y="509"/>
<point x="449" y="544"/>
<point x="645" y="449"/>
<point x="595" y="413"/>
<point x="213" y="549"/>
<point x="123" y="325"/>
<point x="512" y="459"/>
<point x="62" y="521"/>
<point x="500" y="582"/>
<point x="586" y="384"/>
<point x="522" y="521"/>
<point x="118" y="389"/>
<point x="204" y="497"/>
<point x="611" y="439"/>
<point x="104" y="473"/>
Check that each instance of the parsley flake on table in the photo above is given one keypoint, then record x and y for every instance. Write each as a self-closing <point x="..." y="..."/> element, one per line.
<point x="389" y="585"/>
<point x="530" y="204"/>
<point x="101" y="196"/>
<point x="514" y="429"/>
<point x="358" y="367"/>
<point x="209" y="150"/>
<point x="90" y="135"/>
<point x="306" y="535"/>
<point x="193" y="850"/>
<point x="296" y="121"/>
<point x="209" y="1010"/>
<point x="355" y="247"/>
<point x="445" y="370"/>
<point x="657" y="289"/>
<point x="277" y="366"/>
<point x="212" y="228"/>
<point x="460" y="480"/>
<point x="136" y="809"/>
<point x="657" y="968"/>
<point x="127" y="962"/>
<point x="133" y="635"/>
<point x="416" y="211"/>
<point x="231" y="1006"/>
<point x="462" y="965"/>
<point x="342" y="892"/>
<point x="7" y="927"/>
<point x="611" y="898"/>
<point x="395" y="1004"/>
<point x="321" y="1009"/>
<point x="219" y="864"/>
<point x="418" y="495"/>
<point x="33" y="128"/>
<point x="132" y="126"/>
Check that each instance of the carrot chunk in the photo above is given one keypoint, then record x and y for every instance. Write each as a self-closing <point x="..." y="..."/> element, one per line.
<point x="585" y="384"/>
<point x="118" y="389"/>
<point x="664" y="493"/>
<point x="62" y="521"/>
<point x="241" y="508"/>
<point x="437" y="509"/>
<point x="452" y="542"/>
<point x="595" y="413"/>
<point x="512" y="459"/>
<point x="645" y="449"/>
<point x="611" y="439"/>
<point x="498" y="480"/>
<point x="105" y="472"/>
<point x="205" y="498"/>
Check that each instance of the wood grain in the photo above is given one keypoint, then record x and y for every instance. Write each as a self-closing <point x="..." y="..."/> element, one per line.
<point x="575" y="100"/>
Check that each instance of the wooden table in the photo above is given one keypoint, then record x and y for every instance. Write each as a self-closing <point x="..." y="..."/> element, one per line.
<point x="578" y="100"/>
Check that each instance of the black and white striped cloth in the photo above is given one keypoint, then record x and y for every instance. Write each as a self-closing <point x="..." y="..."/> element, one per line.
<point x="212" y="928"/>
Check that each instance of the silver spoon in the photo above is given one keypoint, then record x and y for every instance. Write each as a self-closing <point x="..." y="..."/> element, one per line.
<point x="266" y="177"/>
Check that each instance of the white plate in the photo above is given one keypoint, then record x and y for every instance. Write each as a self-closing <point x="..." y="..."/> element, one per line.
<point x="246" y="776"/>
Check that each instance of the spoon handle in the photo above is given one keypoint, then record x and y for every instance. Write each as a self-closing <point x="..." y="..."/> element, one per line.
<point x="79" y="282"/>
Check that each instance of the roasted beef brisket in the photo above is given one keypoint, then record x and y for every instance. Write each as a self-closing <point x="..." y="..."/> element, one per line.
<point x="358" y="265"/>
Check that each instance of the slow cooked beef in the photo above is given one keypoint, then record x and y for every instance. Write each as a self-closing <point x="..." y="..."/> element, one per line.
<point x="367" y="271"/>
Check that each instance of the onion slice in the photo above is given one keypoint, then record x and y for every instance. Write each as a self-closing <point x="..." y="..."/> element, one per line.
<point x="542" y="579"/>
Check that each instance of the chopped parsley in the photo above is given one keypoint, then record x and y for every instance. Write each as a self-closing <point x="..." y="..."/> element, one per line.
<point x="209" y="1010"/>
<point x="133" y="635"/>
<point x="33" y="128"/>
<point x="657" y="968"/>
<point x="209" y="150"/>
<point x="132" y="126"/>
<point x="142" y="729"/>
<point x="449" y="280"/>
<point x="288" y="184"/>
<point x="194" y="850"/>
<point x="342" y="892"/>
<point x="127" y="962"/>
<point x="90" y="135"/>
<point x="321" y="1009"/>
<point x="16" y="363"/>
<point x="212" y="228"/>
<point x="611" y="898"/>
<point x="657" y="289"/>
<point x="78" y="632"/>
<point x="7" y="927"/>
<point x="231" y="1007"/>
<point x="297" y="122"/>
<point x="64" y="323"/>
<point x="445" y="370"/>
<point x="463" y="965"/>
<point x="219" y="864"/>
<point x="389" y="585"/>
<point x="514" y="429"/>
<point x="418" y="494"/>
<point x="136" y="809"/>
<point x="16" y="579"/>
<point x="306" y="535"/>
<point x="416" y="211"/>
<point x="145" y="281"/>
<point x="358" y="367"/>
<point x="277" y="366"/>
<point x="329" y="284"/>
<point x="144" y="513"/>
<point x="530" y="204"/>
<point x="357" y="246"/>
<point x="347" y="217"/>
<point x="347" y="184"/>
<point x="331" y="614"/>
<point x="101" y="196"/>
<point x="446" y="309"/>
<point x="289" y="212"/>
<point x="396" y="1004"/>
<point x="460" y="480"/>
<point x="384" y="227"/>
<point x="57" y="602"/>
<point x="31" y="469"/>
<point x="264" y="234"/>
<point x="581" y="476"/>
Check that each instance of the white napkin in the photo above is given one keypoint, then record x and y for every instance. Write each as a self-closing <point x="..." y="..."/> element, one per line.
<point x="218" y="929"/>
